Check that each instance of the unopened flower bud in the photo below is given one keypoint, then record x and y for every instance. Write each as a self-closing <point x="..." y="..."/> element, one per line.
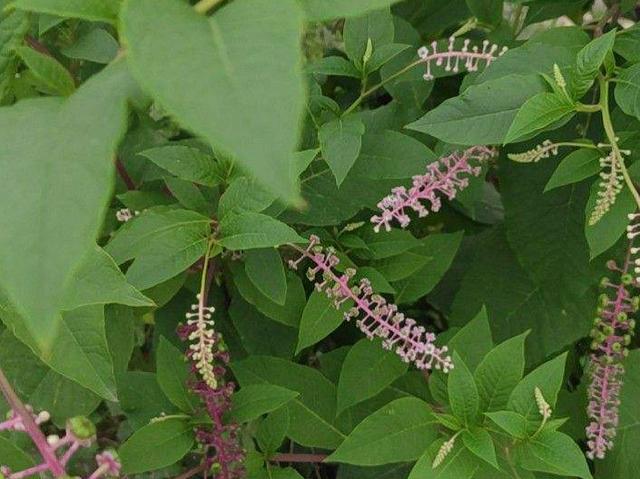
<point x="81" y="428"/>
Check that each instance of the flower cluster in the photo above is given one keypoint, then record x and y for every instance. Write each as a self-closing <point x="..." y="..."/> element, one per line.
<point x="544" y="150"/>
<point x="609" y="188"/>
<point x="80" y="432"/>
<point x="125" y="214"/>
<point x="444" y="176"/>
<point x="376" y="317"/>
<point x="452" y="58"/>
<point x="611" y="334"/>
<point x="209" y="357"/>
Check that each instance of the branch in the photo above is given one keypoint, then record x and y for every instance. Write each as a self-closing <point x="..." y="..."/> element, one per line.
<point x="308" y="458"/>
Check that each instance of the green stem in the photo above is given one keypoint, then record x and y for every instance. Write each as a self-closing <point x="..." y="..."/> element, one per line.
<point x="588" y="108"/>
<point x="377" y="86"/>
<point x="608" y="128"/>
<point x="507" y="454"/>
<point x="203" y="6"/>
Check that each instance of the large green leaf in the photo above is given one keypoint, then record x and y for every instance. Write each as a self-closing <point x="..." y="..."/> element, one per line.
<point x="255" y="400"/>
<point x="555" y="453"/>
<point x="174" y="375"/>
<point x="185" y="162"/>
<point x="482" y="114"/>
<point x="156" y="445"/>
<point x="94" y="10"/>
<point x="398" y="432"/>
<point x="589" y="60"/>
<point x="464" y="399"/>
<point x="537" y="113"/>
<point x="313" y="412"/>
<point x="56" y="183"/>
<point x="319" y="319"/>
<point x="367" y="370"/>
<point x="340" y="142"/>
<point x="245" y="73"/>
<point x="254" y="230"/>
<point x="575" y="167"/>
<point x="265" y="270"/>
<point x="628" y="90"/>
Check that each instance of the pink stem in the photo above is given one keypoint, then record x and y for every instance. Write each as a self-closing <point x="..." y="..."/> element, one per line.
<point x="50" y="459"/>
<point x="9" y="424"/>
<point x="70" y="452"/>
<point x="29" y="472"/>
<point x="99" y="472"/>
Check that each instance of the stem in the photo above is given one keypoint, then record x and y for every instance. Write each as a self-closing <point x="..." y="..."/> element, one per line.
<point x="507" y="454"/>
<point x="122" y="172"/>
<point x="30" y="426"/>
<point x="203" y="6"/>
<point x="32" y="471"/>
<point x="611" y="135"/>
<point x="377" y="86"/>
<point x="308" y="458"/>
<point x="588" y="108"/>
<point x="192" y="472"/>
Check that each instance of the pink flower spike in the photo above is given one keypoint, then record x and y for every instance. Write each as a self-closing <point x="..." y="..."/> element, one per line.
<point x="611" y="336"/>
<point x="443" y="177"/>
<point x="375" y="316"/>
<point x="470" y="58"/>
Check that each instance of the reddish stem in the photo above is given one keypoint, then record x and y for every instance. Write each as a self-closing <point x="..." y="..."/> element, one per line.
<point x="30" y="426"/>
<point x="122" y="172"/>
<point x="309" y="458"/>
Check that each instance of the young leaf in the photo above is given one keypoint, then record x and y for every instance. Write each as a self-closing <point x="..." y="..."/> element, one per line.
<point x="173" y="376"/>
<point x="459" y="463"/>
<point x="53" y="76"/>
<point x="486" y="11"/>
<point x="539" y="112"/>
<point x="97" y="46"/>
<point x="574" y="167"/>
<point x="92" y="10"/>
<point x="589" y="60"/>
<point x="272" y="430"/>
<point x="244" y="194"/>
<point x="265" y="270"/>
<point x="375" y="27"/>
<point x="479" y="442"/>
<point x="482" y="114"/>
<point x="464" y="399"/>
<point x="38" y="256"/>
<point x="13" y="26"/>
<point x="548" y="378"/>
<point x="254" y="400"/>
<point x="512" y="422"/>
<point x="367" y="370"/>
<point x="499" y="373"/>
<point x="555" y="453"/>
<point x="156" y="445"/>
<point x="254" y="230"/>
<point x="185" y="162"/>
<point x="334" y="65"/>
<point x="398" y="432"/>
<point x="245" y="73"/>
<point x="340" y="143"/>
<point x="319" y="319"/>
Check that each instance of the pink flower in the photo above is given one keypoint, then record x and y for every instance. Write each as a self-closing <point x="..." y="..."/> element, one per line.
<point x="471" y="57"/>
<point x="611" y="335"/>
<point x="443" y="177"/>
<point x="376" y="317"/>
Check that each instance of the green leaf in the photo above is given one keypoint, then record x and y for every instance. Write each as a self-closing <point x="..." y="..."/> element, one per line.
<point x="319" y="319"/>
<point x="398" y="432"/>
<point x="464" y="399"/>
<point x="575" y="167"/>
<point x="14" y="457"/>
<point x="482" y="114"/>
<point x="499" y="373"/>
<point x="245" y="72"/>
<point x="47" y="70"/>
<point x="244" y="194"/>
<point x="367" y="370"/>
<point x="312" y="413"/>
<point x="486" y="11"/>
<point x="479" y="442"/>
<point x="156" y="445"/>
<point x="340" y="143"/>
<point x="626" y="43"/>
<point x="254" y="230"/>
<point x="272" y="430"/>
<point x="608" y="230"/>
<point x="318" y="10"/>
<point x="555" y="453"/>
<point x="96" y="46"/>
<point x="141" y="398"/>
<point x="512" y="422"/>
<point x="173" y="376"/>
<point x="337" y="66"/>
<point x="265" y="270"/>
<point x="163" y="243"/>
<point x="459" y="463"/>
<point x="375" y="26"/>
<point x="39" y="256"/>
<point x="589" y="60"/>
<point x="93" y="10"/>
<point x="188" y="195"/>
<point x="439" y="250"/>
<point x="548" y="378"/>
<point x="628" y="90"/>
<point x="13" y="26"/>
<point x="384" y="54"/>
<point x="98" y="280"/>
<point x="386" y="244"/>
<point x="185" y="162"/>
<point x="254" y="400"/>
<point x="120" y="329"/>
<point x="539" y="112"/>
